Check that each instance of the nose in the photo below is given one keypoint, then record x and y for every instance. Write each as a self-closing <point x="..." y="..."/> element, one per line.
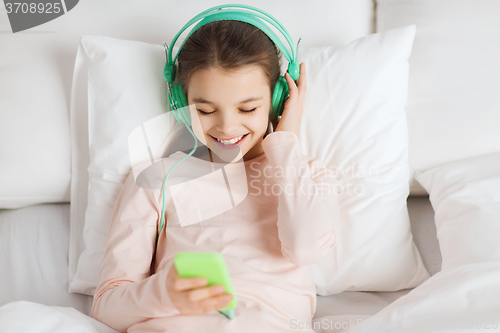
<point x="227" y="123"/>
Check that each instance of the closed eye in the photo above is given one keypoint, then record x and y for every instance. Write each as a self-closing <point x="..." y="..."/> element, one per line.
<point x="248" y="110"/>
<point x="209" y="113"/>
<point x="205" y="113"/>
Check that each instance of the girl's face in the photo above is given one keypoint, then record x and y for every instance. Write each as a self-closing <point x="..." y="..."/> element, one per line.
<point x="230" y="110"/>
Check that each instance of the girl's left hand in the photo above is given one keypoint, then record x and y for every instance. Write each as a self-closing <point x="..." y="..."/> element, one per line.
<point x="292" y="112"/>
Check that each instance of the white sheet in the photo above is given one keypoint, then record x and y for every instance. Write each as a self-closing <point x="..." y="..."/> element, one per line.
<point x="34" y="261"/>
<point x="463" y="298"/>
<point x="25" y="316"/>
<point x="34" y="257"/>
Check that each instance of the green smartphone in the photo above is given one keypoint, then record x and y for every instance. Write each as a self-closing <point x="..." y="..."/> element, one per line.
<point x="211" y="266"/>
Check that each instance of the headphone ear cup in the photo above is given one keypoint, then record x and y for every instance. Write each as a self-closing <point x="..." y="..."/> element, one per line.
<point x="280" y="95"/>
<point x="179" y="104"/>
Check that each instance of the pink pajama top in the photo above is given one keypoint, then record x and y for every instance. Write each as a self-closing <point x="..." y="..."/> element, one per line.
<point x="270" y="233"/>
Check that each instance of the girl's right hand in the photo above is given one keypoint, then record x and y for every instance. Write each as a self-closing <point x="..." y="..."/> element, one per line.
<point x="191" y="297"/>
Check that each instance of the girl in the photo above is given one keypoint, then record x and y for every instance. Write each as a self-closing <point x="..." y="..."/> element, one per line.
<point x="269" y="240"/>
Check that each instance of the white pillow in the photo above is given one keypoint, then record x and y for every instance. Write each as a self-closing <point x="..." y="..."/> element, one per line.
<point x="34" y="131"/>
<point x="454" y="79"/>
<point x="462" y="299"/>
<point x="36" y="68"/>
<point x="354" y="121"/>
<point x="126" y="89"/>
<point x="466" y="198"/>
<point x="362" y="86"/>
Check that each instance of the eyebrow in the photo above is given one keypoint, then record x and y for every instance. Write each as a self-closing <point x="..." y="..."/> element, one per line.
<point x="251" y="99"/>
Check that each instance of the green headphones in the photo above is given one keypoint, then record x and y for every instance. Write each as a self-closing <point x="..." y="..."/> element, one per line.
<point x="176" y="96"/>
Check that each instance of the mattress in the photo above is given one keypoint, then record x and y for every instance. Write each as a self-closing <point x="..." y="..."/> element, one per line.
<point x="34" y="262"/>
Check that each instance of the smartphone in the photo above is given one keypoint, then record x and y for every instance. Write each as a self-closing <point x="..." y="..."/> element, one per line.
<point x="211" y="266"/>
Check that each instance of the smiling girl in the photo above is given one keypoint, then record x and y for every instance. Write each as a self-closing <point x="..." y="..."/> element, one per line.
<point x="228" y="70"/>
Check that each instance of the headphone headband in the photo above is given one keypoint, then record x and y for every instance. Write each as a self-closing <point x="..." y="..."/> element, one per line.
<point x="241" y="15"/>
<point x="176" y="97"/>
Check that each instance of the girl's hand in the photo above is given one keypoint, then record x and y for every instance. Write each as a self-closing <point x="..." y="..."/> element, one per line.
<point x="292" y="112"/>
<point x="190" y="296"/>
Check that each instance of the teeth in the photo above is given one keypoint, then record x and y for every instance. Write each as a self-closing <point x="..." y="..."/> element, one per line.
<point x="230" y="142"/>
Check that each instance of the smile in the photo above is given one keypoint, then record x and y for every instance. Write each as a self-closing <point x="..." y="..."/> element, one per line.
<point x="229" y="143"/>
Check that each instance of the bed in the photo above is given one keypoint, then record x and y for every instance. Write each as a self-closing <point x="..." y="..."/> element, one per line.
<point x="421" y="251"/>
<point x="35" y="265"/>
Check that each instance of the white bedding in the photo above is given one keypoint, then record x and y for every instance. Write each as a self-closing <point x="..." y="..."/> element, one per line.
<point x="455" y="300"/>
<point x="34" y="264"/>
<point x="462" y="299"/>
<point x="34" y="257"/>
<point x="25" y="316"/>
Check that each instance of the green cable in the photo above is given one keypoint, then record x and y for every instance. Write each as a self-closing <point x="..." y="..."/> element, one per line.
<point x="165" y="183"/>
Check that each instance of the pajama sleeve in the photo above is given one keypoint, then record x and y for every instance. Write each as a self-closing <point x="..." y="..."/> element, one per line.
<point x="308" y="201"/>
<point x="127" y="293"/>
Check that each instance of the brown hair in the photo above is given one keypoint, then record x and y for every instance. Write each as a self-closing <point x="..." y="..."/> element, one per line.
<point x="228" y="45"/>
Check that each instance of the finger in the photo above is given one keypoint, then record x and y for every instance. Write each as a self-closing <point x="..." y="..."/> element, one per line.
<point x="203" y="293"/>
<point x="290" y="81"/>
<point x="182" y="284"/>
<point x="291" y="84"/>
<point x="303" y="76"/>
<point x="215" y="303"/>
<point x="302" y="83"/>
